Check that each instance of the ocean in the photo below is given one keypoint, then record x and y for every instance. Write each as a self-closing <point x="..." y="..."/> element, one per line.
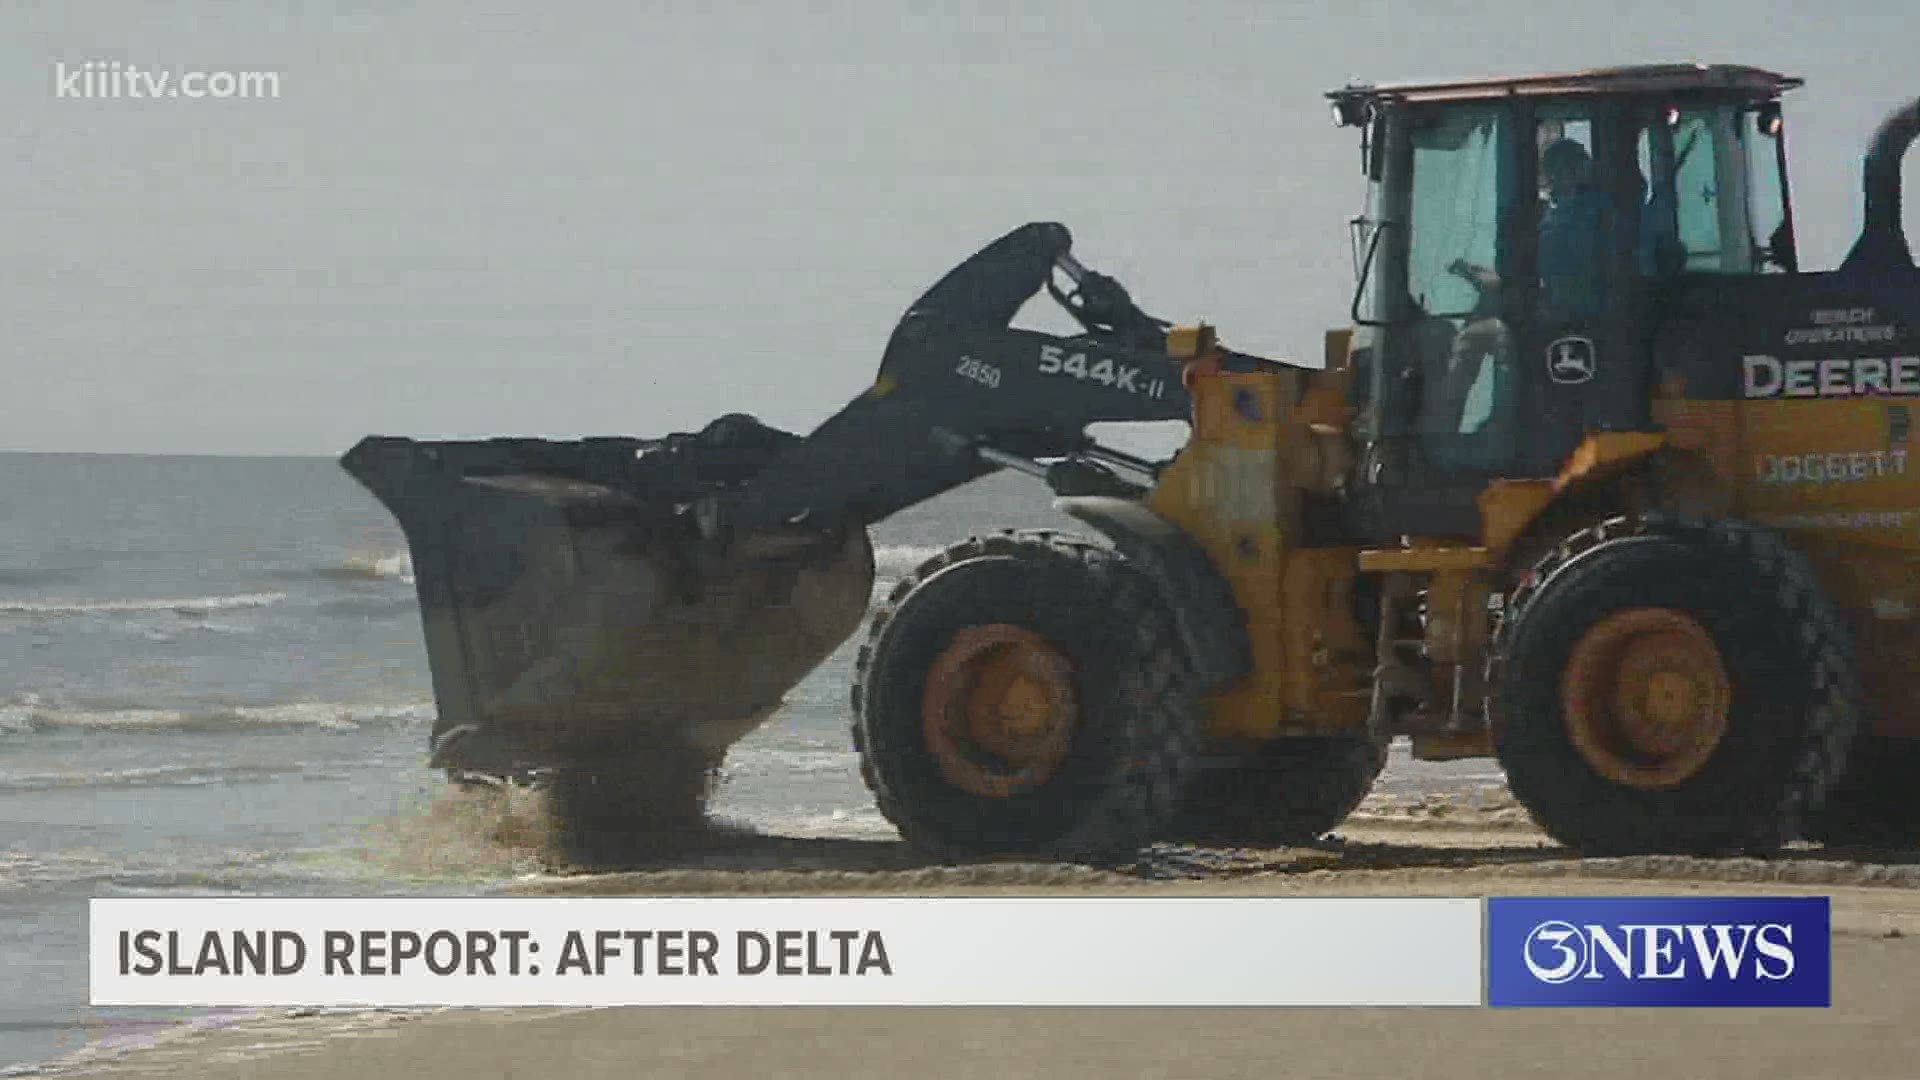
<point x="214" y="683"/>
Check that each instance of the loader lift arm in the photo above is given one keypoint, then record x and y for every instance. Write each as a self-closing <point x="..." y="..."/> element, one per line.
<point x="961" y="393"/>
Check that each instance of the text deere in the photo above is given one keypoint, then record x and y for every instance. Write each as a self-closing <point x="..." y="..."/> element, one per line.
<point x="1860" y="376"/>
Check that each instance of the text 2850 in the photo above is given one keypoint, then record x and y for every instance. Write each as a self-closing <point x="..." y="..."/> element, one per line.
<point x="979" y="371"/>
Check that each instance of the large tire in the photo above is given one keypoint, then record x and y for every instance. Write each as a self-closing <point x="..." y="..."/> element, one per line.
<point x="1877" y="802"/>
<point x="1118" y="783"/>
<point x="1290" y="791"/>
<point x="1792" y="709"/>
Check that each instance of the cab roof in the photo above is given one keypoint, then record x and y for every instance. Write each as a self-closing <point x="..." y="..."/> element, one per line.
<point x="1740" y="80"/>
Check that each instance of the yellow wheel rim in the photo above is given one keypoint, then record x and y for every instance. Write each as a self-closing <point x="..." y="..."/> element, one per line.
<point x="999" y="710"/>
<point x="1646" y="696"/>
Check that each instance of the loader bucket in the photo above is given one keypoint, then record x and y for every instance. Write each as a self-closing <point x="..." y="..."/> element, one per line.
<point x="575" y="621"/>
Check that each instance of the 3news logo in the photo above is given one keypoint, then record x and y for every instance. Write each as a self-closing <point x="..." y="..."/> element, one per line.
<point x="1691" y="951"/>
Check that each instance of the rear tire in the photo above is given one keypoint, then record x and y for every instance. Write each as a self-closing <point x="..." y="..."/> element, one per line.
<point x="1131" y="737"/>
<point x="1792" y="710"/>
<point x="1290" y="791"/>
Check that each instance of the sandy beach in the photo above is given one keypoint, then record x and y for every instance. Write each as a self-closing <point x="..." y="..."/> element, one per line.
<point x="1421" y="847"/>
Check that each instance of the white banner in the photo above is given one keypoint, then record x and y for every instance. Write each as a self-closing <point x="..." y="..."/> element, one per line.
<point x="1091" y="951"/>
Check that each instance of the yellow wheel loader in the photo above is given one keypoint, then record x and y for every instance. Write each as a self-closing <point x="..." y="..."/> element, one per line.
<point x="1599" y="482"/>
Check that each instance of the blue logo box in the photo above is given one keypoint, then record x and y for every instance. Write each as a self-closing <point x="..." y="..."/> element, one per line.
<point x="1678" y="951"/>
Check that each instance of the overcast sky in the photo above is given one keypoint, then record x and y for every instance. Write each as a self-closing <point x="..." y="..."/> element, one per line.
<point x="459" y="220"/>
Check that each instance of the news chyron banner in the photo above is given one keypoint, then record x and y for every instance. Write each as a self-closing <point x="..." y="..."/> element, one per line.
<point x="1641" y="951"/>
<point x="779" y="951"/>
<point x="1053" y="951"/>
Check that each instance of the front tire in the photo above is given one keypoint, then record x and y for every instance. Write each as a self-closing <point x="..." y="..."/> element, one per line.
<point x="1672" y="686"/>
<point x="1081" y="643"/>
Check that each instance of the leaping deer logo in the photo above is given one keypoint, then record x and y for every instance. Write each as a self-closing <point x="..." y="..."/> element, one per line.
<point x="1570" y="360"/>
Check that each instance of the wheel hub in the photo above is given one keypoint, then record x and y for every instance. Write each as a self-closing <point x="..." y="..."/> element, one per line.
<point x="999" y="710"/>
<point x="1646" y="697"/>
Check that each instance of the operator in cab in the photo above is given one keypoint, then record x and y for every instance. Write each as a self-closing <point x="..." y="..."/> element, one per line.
<point x="1572" y="251"/>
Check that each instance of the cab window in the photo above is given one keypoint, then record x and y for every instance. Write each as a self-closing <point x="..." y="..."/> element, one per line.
<point x="1714" y="200"/>
<point x="1461" y="194"/>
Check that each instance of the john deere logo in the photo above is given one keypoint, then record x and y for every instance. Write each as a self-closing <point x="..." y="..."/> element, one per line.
<point x="1570" y="360"/>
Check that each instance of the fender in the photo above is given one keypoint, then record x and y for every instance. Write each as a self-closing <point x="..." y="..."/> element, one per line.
<point x="1212" y="627"/>
<point x="1517" y="514"/>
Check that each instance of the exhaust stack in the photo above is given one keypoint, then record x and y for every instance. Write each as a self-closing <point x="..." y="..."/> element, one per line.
<point x="1883" y="242"/>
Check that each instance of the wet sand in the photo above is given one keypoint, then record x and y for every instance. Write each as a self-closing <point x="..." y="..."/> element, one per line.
<point x="1445" y="846"/>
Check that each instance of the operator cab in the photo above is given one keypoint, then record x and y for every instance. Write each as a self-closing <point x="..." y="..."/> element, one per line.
<point x="1519" y="239"/>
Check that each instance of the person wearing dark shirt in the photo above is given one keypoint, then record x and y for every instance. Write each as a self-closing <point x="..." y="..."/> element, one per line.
<point x="1572" y="254"/>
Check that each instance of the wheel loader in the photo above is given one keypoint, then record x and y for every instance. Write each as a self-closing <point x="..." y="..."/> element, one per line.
<point x="1598" y="482"/>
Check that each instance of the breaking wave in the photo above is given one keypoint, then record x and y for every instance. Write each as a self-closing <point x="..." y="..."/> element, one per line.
<point x="394" y="566"/>
<point x="197" y="605"/>
<point x="153" y="776"/>
<point x="28" y="718"/>
<point x="24" y="869"/>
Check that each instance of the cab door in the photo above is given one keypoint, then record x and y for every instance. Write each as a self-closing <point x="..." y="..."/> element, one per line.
<point x="1510" y="322"/>
<point x="1579" y="312"/>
